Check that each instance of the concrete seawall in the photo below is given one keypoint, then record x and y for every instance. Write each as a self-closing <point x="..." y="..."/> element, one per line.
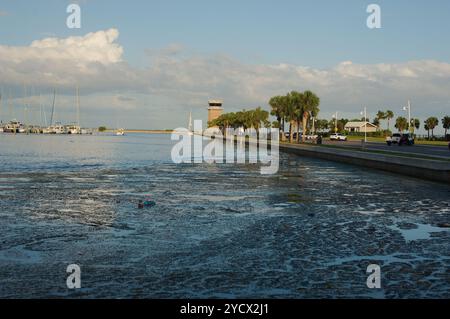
<point x="432" y="170"/>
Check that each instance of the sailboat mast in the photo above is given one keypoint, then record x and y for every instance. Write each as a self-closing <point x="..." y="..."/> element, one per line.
<point x="190" y="121"/>
<point x="43" y="110"/>
<point x="53" y="107"/>
<point x="78" y="106"/>
<point x="25" y="113"/>
<point x="1" y="95"/>
<point x="10" y="105"/>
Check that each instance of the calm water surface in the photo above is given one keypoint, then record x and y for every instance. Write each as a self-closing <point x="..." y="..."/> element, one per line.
<point x="217" y="230"/>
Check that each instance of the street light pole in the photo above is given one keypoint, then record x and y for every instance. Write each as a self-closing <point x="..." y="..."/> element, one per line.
<point x="365" y="124"/>
<point x="335" y="122"/>
<point x="409" y="114"/>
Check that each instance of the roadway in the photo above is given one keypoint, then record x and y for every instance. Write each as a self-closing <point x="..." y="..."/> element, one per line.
<point x="430" y="150"/>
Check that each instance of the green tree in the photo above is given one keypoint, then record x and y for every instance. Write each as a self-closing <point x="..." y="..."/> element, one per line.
<point x="415" y="124"/>
<point x="401" y="124"/>
<point x="291" y="112"/>
<point x="340" y="125"/>
<point x="311" y="104"/>
<point x="389" y="115"/>
<point x="297" y="106"/>
<point x="102" y="129"/>
<point x="446" y="124"/>
<point x="432" y="122"/>
<point x="322" y="125"/>
<point x="277" y="103"/>
<point x="260" y="118"/>
<point x="427" y="129"/>
<point x="376" y="122"/>
<point x="380" y="116"/>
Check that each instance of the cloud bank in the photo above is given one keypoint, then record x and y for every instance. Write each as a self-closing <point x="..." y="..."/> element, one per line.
<point x="176" y="80"/>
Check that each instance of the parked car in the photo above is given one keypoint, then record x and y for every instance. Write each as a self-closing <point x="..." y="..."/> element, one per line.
<point x="338" y="137"/>
<point x="400" y="139"/>
<point x="394" y="139"/>
<point x="407" y="139"/>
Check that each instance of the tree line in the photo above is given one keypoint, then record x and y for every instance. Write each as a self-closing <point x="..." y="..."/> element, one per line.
<point x="256" y="119"/>
<point x="295" y="108"/>
<point x="401" y="123"/>
<point x="301" y="109"/>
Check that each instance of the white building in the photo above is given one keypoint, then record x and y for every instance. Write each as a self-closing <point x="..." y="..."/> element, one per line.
<point x="360" y="127"/>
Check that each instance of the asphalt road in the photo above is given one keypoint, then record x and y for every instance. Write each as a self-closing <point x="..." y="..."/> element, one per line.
<point x="430" y="150"/>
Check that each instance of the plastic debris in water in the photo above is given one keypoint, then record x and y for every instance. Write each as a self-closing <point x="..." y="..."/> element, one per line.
<point x="149" y="203"/>
<point x="146" y="204"/>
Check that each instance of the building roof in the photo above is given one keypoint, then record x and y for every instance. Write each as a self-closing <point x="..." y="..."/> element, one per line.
<point x="359" y="124"/>
<point x="215" y="102"/>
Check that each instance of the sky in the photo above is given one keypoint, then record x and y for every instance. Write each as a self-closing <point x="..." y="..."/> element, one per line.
<point x="147" y="64"/>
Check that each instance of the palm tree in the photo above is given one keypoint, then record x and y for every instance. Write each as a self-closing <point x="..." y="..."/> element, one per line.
<point x="427" y="129"/>
<point x="446" y="124"/>
<point x="432" y="122"/>
<point x="380" y="116"/>
<point x="311" y="104"/>
<point x="389" y="115"/>
<point x="260" y="118"/>
<point x="278" y="107"/>
<point x="296" y="100"/>
<point x="322" y="125"/>
<point x="415" y="124"/>
<point x="376" y="122"/>
<point x="401" y="123"/>
<point x="289" y="101"/>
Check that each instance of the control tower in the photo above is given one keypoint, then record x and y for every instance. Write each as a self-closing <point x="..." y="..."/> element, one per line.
<point x="215" y="109"/>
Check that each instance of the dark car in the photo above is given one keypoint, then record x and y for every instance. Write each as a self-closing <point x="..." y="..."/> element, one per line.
<point x="406" y="139"/>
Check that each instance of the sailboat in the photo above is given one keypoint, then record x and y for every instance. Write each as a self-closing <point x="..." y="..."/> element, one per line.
<point x="119" y="131"/>
<point x="1" y="122"/>
<point x="56" y="128"/>
<point x="75" y="128"/>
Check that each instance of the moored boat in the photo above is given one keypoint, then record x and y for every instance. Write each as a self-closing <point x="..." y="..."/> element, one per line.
<point x="73" y="129"/>
<point x="14" y="126"/>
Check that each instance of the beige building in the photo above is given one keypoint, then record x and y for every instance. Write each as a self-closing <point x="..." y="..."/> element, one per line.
<point x="360" y="127"/>
<point x="215" y="109"/>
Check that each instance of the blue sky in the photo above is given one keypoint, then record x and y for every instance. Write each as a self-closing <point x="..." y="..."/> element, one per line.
<point x="251" y="30"/>
<point x="312" y="34"/>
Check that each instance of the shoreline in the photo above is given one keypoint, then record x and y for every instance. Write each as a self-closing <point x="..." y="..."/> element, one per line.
<point x="431" y="169"/>
<point x="427" y="169"/>
<point x="141" y="131"/>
